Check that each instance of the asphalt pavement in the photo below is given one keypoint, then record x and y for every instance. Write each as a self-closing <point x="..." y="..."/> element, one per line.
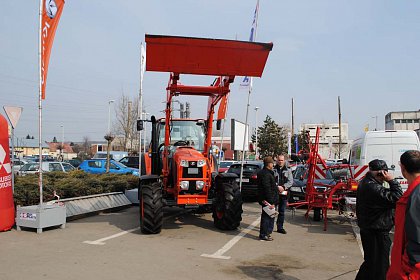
<point x="111" y="246"/>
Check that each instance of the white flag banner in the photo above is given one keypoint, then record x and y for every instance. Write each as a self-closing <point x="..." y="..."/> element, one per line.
<point x="247" y="81"/>
<point x="142" y="61"/>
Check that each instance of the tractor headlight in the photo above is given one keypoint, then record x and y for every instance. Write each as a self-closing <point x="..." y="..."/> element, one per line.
<point x="199" y="185"/>
<point x="184" y="185"/>
<point x="184" y="163"/>
<point x="201" y="163"/>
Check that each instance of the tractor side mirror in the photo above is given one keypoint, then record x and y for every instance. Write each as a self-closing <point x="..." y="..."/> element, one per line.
<point x="139" y="125"/>
<point x="219" y="124"/>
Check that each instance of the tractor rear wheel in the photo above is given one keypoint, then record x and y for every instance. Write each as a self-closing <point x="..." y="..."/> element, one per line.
<point x="151" y="208"/>
<point x="227" y="207"/>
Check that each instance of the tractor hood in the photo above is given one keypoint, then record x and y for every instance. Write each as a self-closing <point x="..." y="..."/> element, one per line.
<point x="187" y="153"/>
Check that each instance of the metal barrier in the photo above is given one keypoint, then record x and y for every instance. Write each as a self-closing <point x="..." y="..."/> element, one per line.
<point x="93" y="203"/>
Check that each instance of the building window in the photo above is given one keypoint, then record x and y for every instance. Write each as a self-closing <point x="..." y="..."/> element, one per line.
<point x="404" y="121"/>
<point x="397" y="121"/>
<point x="416" y="121"/>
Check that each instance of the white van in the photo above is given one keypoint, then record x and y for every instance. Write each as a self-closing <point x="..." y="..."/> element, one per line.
<point x="387" y="145"/>
<point x="115" y="155"/>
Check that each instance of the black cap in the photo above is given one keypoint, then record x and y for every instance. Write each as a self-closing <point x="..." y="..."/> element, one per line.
<point x="378" y="165"/>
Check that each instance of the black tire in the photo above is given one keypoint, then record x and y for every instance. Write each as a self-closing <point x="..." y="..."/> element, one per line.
<point x="151" y="208"/>
<point x="317" y="214"/>
<point x="227" y="206"/>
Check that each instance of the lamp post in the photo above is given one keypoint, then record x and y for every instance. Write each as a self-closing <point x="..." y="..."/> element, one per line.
<point x="62" y="141"/>
<point x="256" y="132"/>
<point x="109" y="115"/>
<point x="376" y="122"/>
<point x="108" y="137"/>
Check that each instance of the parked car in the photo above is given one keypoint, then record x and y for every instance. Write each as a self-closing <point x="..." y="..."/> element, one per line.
<point x="249" y="177"/>
<point x="300" y="178"/>
<point x="74" y="162"/>
<point x="224" y="165"/>
<point x="98" y="166"/>
<point x="17" y="164"/>
<point x="115" y="155"/>
<point x="132" y="161"/>
<point x="47" y="166"/>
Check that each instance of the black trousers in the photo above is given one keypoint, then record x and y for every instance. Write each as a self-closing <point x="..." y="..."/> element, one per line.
<point x="266" y="224"/>
<point x="376" y="246"/>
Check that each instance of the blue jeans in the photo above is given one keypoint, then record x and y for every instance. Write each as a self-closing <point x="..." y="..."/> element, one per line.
<point x="266" y="225"/>
<point x="281" y="209"/>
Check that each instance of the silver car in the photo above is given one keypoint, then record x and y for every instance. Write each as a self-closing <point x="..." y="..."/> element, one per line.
<point x="47" y="166"/>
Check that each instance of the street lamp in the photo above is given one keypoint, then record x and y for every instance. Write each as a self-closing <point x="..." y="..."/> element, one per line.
<point x="109" y="115"/>
<point x="62" y="141"/>
<point x="256" y="132"/>
<point x="376" y="122"/>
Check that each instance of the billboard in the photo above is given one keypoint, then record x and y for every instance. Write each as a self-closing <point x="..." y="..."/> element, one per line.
<point x="237" y="135"/>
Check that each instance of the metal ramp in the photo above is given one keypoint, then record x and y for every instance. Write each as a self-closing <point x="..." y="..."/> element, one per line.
<point x="93" y="203"/>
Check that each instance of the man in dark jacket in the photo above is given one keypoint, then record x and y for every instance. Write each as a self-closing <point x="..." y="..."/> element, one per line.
<point x="405" y="256"/>
<point x="285" y="181"/>
<point x="268" y="195"/>
<point x="374" y="210"/>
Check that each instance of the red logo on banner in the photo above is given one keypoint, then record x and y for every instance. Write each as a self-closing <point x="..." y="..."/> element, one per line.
<point x="50" y="16"/>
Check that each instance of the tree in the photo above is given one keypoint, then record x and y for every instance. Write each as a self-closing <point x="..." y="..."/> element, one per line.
<point x="54" y="140"/>
<point x="127" y="114"/>
<point x="272" y="138"/>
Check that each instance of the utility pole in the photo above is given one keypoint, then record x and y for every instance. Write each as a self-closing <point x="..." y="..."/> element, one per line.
<point x="339" y="128"/>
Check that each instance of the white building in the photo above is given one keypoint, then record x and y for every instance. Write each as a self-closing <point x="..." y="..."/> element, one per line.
<point x="403" y="120"/>
<point x="329" y="139"/>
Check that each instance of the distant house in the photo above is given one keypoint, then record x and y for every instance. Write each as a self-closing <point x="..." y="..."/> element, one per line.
<point x="29" y="147"/>
<point x="58" y="152"/>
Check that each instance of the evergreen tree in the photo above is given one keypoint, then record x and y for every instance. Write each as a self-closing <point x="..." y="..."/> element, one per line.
<point x="54" y="140"/>
<point x="272" y="138"/>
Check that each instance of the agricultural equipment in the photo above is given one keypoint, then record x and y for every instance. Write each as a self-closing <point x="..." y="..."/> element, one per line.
<point x="183" y="169"/>
<point x="322" y="197"/>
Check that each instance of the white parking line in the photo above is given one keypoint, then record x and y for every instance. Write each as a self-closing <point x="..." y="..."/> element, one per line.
<point x="219" y="254"/>
<point x="101" y="241"/>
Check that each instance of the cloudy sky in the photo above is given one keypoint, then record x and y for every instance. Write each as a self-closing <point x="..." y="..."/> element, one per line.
<point x="366" y="52"/>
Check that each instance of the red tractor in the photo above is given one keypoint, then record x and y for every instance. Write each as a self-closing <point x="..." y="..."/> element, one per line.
<point x="183" y="168"/>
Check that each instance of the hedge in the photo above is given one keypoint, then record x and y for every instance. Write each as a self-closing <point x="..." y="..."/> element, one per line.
<point x="67" y="185"/>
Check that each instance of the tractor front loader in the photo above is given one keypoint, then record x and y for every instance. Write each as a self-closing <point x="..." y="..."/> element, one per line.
<point x="183" y="168"/>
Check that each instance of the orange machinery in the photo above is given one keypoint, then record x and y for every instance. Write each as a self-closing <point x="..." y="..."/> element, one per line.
<point x="183" y="168"/>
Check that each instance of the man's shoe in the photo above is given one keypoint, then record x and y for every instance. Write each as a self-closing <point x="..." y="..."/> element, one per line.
<point x="266" y="238"/>
<point x="282" y="231"/>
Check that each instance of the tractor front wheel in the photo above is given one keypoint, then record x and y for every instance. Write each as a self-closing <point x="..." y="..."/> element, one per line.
<point x="151" y="208"/>
<point x="227" y="207"/>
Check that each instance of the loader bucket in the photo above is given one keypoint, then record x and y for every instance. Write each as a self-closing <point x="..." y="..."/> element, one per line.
<point x="201" y="56"/>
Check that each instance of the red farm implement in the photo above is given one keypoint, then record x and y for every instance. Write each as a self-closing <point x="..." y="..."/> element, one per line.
<point x="321" y="197"/>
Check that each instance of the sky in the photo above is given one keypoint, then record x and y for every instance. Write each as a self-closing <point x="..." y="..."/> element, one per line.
<point x="366" y="52"/>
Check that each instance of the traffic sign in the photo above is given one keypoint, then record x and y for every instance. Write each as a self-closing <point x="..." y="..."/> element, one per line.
<point x="13" y="114"/>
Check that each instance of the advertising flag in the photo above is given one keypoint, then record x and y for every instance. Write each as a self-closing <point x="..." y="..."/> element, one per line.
<point x="142" y="60"/>
<point x="50" y="16"/>
<point x="247" y="81"/>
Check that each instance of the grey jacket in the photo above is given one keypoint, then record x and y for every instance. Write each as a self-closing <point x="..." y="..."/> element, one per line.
<point x="284" y="176"/>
